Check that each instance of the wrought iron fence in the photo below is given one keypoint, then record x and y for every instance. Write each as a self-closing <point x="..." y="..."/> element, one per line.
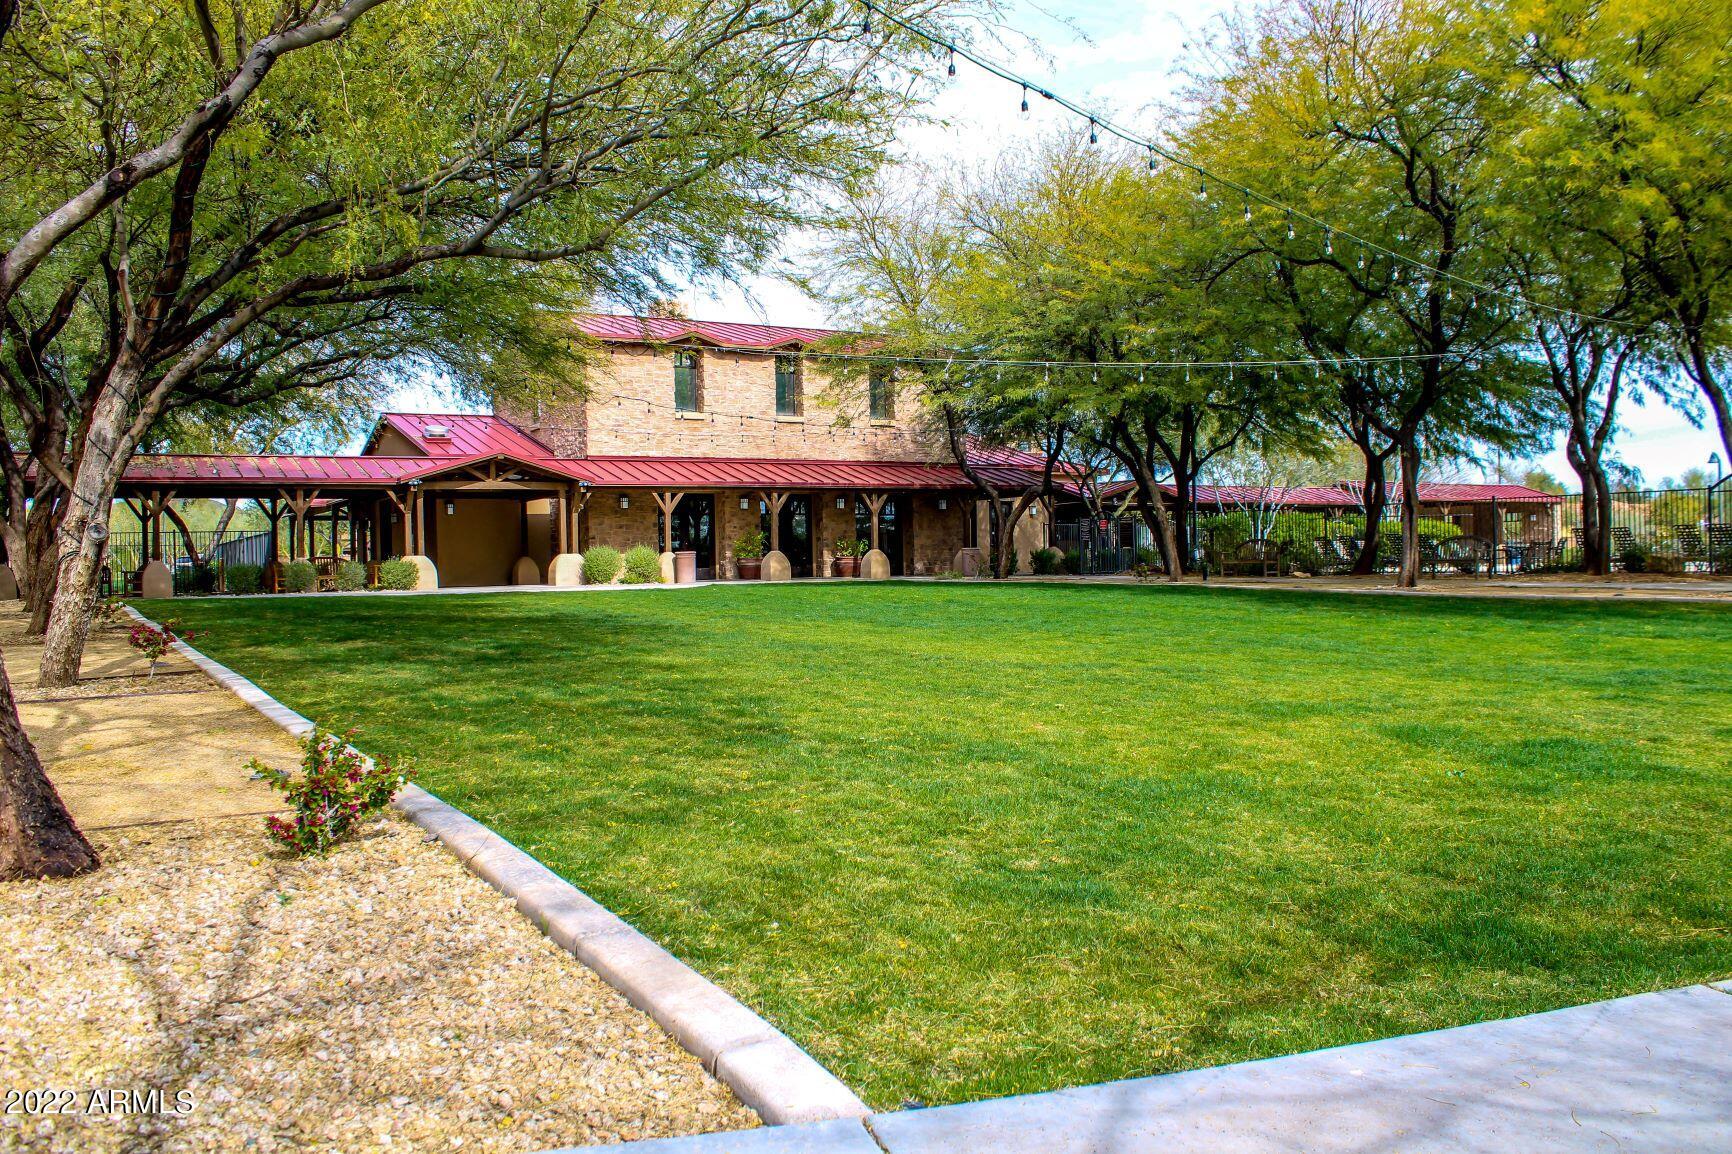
<point x="127" y="553"/>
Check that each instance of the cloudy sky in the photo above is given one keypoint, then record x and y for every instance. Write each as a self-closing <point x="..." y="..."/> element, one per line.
<point x="1126" y="58"/>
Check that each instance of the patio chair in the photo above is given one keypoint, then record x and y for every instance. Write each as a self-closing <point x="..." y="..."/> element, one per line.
<point x="1719" y="546"/>
<point x="1623" y="537"/>
<point x="1259" y="556"/>
<point x="1335" y="558"/>
<point x="1466" y="554"/>
<point x="1692" y="546"/>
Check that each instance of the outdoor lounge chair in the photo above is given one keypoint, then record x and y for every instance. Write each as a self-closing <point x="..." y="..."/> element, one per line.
<point x="1623" y="537"/>
<point x="1720" y="546"/>
<point x="1466" y="554"/>
<point x="1259" y="556"/>
<point x="1692" y="546"/>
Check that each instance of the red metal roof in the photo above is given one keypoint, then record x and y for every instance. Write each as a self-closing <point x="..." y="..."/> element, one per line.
<point x="762" y="473"/>
<point x="727" y="334"/>
<point x="1346" y="494"/>
<point x="469" y="435"/>
<point x="210" y="469"/>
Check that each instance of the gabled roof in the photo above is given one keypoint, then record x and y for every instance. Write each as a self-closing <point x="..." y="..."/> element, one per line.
<point x="613" y="328"/>
<point x="469" y="435"/>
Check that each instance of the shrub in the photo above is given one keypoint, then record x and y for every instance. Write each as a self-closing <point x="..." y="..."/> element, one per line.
<point x="351" y="576"/>
<point x="244" y="578"/>
<point x="1634" y="559"/>
<point x="852" y="547"/>
<point x="337" y="786"/>
<point x="601" y="565"/>
<point x="643" y="566"/>
<point x="154" y="641"/>
<point x="750" y="546"/>
<point x="1044" y="562"/>
<point x="299" y="576"/>
<point x="195" y="580"/>
<point x="1148" y="558"/>
<point x="398" y="574"/>
<point x="1073" y="561"/>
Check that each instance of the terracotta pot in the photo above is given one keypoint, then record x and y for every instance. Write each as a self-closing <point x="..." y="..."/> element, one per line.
<point x="845" y="566"/>
<point x="750" y="570"/>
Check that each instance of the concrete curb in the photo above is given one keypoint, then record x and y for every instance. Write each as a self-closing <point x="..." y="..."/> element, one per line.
<point x="762" y="1065"/>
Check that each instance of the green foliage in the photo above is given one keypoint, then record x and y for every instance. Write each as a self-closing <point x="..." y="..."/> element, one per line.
<point x="337" y="788"/>
<point x="641" y="566"/>
<point x="398" y="574"/>
<point x="196" y="580"/>
<point x="299" y="576"/>
<point x="1635" y="558"/>
<point x="601" y="565"/>
<point x="1045" y="562"/>
<point x="1073" y="561"/>
<point x="243" y="579"/>
<point x="351" y="577"/>
<point x="750" y="546"/>
<point x="851" y="547"/>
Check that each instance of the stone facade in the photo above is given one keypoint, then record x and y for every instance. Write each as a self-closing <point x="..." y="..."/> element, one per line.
<point x="630" y="411"/>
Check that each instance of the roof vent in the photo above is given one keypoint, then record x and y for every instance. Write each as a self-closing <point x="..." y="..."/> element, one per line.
<point x="436" y="432"/>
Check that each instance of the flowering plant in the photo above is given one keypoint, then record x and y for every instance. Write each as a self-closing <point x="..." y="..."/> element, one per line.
<point x="154" y="641"/>
<point x="337" y="786"/>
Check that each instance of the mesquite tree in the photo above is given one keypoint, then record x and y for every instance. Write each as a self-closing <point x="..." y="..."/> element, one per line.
<point x="376" y="181"/>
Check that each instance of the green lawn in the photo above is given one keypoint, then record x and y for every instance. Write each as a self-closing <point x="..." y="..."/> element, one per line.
<point x="968" y="840"/>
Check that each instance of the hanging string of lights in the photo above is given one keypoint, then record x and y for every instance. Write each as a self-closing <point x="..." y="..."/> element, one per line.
<point x="1157" y="152"/>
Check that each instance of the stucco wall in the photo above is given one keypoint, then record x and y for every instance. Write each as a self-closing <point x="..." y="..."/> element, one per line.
<point x="478" y="543"/>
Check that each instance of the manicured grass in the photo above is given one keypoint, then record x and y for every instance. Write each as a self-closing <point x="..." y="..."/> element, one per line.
<point x="968" y="840"/>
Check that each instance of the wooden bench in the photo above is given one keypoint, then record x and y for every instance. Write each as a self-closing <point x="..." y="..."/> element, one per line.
<point x="1259" y="556"/>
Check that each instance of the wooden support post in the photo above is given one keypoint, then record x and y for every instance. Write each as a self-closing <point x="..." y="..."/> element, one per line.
<point x="875" y="502"/>
<point x="774" y="501"/>
<point x="565" y="520"/>
<point x="668" y="502"/>
<point x="420" y="519"/>
<point x="153" y="531"/>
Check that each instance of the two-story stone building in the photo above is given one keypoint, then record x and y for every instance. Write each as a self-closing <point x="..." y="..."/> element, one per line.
<point x="690" y="435"/>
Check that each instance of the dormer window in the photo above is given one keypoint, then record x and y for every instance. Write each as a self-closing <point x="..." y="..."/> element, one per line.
<point x="686" y="395"/>
<point x="787" y="386"/>
<point x="880" y="396"/>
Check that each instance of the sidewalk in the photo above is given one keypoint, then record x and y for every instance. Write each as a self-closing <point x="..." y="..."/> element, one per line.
<point x="1650" y="1073"/>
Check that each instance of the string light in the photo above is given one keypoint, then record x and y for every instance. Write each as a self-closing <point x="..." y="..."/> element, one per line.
<point x="952" y="69"/>
<point x="1025" y="108"/>
<point x="1098" y="124"/>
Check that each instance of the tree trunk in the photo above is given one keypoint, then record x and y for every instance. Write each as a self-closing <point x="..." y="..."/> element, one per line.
<point x="38" y="838"/>
<point x="1375" y="497"/>
<point x="108" y="446"/>
<point x="1702" y="369"/>
<point x="1596" y="504"/>
<point x="1410" y="558"/>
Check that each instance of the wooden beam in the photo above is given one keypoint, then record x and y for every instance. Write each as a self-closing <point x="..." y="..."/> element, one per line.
<point x="775" y="500"/>
<point x="875" y="502"/>
<point x="668" y="501"/>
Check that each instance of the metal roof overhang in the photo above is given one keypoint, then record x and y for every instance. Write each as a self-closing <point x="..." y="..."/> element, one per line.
<point x="752" y="473"/>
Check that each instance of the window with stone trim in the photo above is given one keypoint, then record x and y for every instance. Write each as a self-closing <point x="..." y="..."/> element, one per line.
<point x="688" y="392"/>
<point x="788" y="380"/>
<point x="880" y="394"/>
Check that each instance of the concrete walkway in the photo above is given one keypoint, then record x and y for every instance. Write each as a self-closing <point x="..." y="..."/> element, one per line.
<point x="1651" y="1073"/>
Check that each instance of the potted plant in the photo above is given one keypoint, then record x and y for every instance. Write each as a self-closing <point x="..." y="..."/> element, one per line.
<point x="849" y="550"/>
<point x="749" y="555"/>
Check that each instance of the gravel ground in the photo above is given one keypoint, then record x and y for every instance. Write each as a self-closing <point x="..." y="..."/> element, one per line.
<point x="382" y="998"/>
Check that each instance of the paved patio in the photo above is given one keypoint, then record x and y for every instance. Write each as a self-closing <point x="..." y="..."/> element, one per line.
<point x="1649" y="1072"/>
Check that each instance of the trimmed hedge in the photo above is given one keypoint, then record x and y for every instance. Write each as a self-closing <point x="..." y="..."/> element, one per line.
<point x="398" y="574"/>
<point x="601" y="565"/>
<point x="244" y="579"/>
<point x="299" y="577"/>
<point x="643" y="566"/>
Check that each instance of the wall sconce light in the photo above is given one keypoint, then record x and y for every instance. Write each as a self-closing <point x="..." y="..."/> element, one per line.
<point x="841" y="502"/>
<point x="745" y="502"/>
<point x="450" y="508"/>
<point x="624" y="501"/>
<point x="943" y="504"/>
<point x="393" y="518"/>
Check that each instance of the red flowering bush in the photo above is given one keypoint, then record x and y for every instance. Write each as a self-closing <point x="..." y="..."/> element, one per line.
<point x="336" y="788"/>
<point x="154" y="641"/>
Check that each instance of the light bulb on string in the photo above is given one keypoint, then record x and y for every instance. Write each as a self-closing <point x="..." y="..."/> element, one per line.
<point x="1289" y="226"/>
<point x="1094" y="137"/>
<point x="1151" y="160"/>
<point x="1025" y="100"/>
<point x="1328" y="243"/>
<point x="952" y="69"/>
<point x="1202" y="189"/>
<point x="1247" y="211"/>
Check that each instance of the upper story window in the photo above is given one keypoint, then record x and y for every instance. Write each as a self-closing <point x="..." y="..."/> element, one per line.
<point x="686" y="394"/>
<point x="787" y="386"/>
<point x="880" y="397"/>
